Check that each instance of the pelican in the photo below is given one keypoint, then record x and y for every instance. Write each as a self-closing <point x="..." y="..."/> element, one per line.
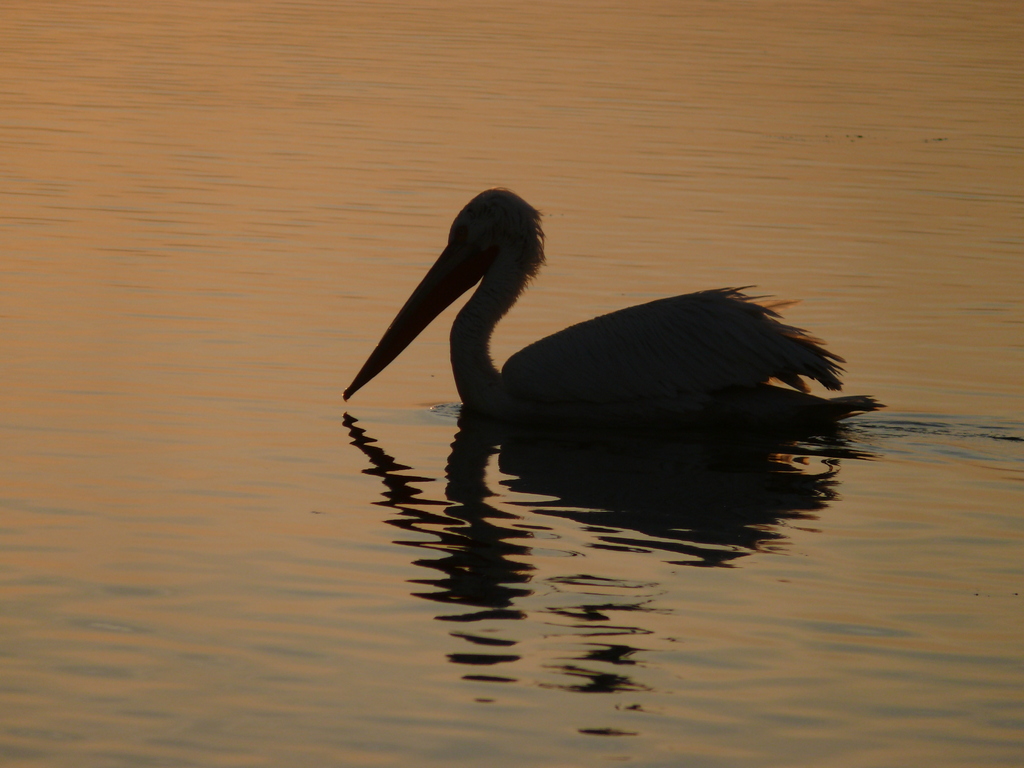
<point x="696" y="360"/>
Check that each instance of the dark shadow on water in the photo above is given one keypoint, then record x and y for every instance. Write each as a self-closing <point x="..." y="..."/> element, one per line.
<point x="691" y="500"/>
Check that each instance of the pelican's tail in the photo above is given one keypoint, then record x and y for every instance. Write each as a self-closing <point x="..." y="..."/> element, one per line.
<point x="770" y="407"/>
<point x="841" y="407"/>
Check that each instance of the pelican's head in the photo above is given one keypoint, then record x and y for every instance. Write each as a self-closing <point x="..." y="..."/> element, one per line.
<point x="502" y="220"/>
<point x="498" y="229"/>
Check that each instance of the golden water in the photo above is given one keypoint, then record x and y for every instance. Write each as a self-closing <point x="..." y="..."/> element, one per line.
<point x="210" y="212"/>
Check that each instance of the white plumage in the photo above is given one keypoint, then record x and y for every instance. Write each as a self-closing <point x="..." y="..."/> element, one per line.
<point x="694" y="360"/>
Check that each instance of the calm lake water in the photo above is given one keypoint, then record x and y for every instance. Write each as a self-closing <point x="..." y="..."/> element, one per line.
<point x="211" y="211"/>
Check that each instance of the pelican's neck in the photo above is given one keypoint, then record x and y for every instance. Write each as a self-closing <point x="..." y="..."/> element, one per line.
<point x="476" y="377"/>
<point x="471" y="351"/>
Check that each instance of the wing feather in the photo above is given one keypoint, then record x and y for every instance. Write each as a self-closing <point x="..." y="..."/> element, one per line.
<point x="681" y="347"/>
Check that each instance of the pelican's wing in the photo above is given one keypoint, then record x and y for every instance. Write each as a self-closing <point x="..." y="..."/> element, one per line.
<point x="686" y="346"/>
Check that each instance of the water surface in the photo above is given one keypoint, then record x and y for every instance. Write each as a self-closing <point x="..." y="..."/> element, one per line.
<point x="212" y="210"/>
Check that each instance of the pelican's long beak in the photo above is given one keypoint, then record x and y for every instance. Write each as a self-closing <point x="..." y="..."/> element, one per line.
<point x="459" y="268"/>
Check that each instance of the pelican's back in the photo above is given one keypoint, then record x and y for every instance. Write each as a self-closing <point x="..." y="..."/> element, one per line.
<point x="684" y="347"/>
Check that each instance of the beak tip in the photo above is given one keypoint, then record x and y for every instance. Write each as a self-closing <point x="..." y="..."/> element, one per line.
<point x="352" y="388"/>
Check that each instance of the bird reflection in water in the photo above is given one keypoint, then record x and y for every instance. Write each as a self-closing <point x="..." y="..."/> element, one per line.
<point x="695" y="500"/>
